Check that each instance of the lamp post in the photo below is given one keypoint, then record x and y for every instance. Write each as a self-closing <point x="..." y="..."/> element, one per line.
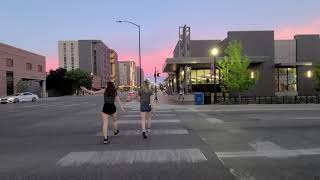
<point x="214" y="53"/>
<point x="155" y="83"/>
<point x="139" y="45"/>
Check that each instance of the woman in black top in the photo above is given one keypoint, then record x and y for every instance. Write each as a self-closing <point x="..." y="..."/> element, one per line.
<point x="109" y="108"/>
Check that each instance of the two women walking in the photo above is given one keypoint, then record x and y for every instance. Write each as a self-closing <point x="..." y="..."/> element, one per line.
<point x="109" y="108"/>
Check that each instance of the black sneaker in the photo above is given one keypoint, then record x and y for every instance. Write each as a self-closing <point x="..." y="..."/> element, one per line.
<point x="106" y="140"/>
<point x="116" y="132"/>
<point x="144" y="134"/>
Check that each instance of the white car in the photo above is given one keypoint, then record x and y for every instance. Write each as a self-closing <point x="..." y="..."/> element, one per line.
<point x="19" y="97"/>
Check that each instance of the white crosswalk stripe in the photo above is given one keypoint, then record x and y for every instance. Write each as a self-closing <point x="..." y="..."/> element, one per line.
<point x="132" y="156"/>
<point x="153" y="132"/>
<point x="158" y="115"/>
<point x="155" y="121"/>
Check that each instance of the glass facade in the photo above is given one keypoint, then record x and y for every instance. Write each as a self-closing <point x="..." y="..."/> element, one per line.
<point x="203" y="76"/>
<point x="285" y="79"/>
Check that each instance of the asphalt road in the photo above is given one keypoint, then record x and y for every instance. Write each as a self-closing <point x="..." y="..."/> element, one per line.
<point x="59" y="138"/>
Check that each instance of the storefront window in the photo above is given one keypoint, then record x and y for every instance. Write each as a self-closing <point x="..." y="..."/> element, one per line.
<point x="292" y="79"/>
<point x="193" y="76"/>
<point x="208" y="79"/>
<point x="286" y="79"/>
<point x="201" y="76"/>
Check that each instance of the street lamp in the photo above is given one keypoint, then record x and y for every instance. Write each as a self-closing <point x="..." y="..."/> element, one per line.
<point x="139" y="45"/>
<point x="214" y="53"/>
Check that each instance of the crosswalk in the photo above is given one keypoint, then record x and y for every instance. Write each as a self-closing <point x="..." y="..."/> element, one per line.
<point x="165" y="123"/>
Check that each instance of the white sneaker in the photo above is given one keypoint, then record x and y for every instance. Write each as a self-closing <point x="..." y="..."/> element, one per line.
<point x="149" y="130"/>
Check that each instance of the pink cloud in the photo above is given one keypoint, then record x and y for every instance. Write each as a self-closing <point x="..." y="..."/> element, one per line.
<point x="52" y="63"/>
<point x="149" y="60"/>
<point x="288" y="31"/>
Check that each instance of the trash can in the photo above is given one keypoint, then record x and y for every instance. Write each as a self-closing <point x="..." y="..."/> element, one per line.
<point x="198" y="98"/>
<point x="207" y="98"/>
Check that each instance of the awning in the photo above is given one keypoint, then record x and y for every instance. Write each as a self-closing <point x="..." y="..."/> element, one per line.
<point x="171" y="63"/>
<point x="294" y="64"/>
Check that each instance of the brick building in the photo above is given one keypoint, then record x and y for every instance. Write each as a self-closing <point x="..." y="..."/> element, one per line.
<point x="20" y="65"/>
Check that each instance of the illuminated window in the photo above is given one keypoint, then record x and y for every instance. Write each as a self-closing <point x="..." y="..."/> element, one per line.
<point x="285" y="79"/>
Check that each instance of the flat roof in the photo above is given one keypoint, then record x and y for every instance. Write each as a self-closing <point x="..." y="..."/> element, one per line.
<point x="170" y="63"/>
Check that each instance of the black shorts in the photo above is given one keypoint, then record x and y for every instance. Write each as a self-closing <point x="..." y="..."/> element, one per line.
<point x="109" y="109"/>
<point x="145" y="106"/>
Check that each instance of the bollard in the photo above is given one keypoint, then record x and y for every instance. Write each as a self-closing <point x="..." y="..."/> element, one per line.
<point x="295" y="99"/>
<point x="282" y="99"/>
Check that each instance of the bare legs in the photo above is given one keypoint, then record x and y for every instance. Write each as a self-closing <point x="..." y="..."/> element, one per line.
<point x="148" y="118"/>
<point x="114" y="122"/>
<point x="105" y="118"/>
<point x="105" y="125"/>
<point x="143" y="120"/>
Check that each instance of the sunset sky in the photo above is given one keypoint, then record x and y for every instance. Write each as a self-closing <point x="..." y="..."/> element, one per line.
<point x="37" y="25"/>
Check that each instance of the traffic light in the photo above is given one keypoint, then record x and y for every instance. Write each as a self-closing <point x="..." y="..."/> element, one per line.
<point x="156" y="75"/>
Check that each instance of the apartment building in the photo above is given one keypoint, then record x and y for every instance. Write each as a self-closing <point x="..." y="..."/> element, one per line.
<point x="92" y="56"/>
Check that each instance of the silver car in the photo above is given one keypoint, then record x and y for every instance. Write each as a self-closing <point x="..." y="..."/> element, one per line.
<point x="19" y="97"/>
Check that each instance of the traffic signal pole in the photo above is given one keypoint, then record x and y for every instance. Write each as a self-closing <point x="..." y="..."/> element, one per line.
<point x="155" y="83"/>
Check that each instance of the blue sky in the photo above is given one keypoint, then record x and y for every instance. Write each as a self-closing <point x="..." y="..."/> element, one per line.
<point x="37" y="25"/>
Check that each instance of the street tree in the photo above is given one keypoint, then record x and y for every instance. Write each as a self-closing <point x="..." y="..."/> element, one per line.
<point x="57" y="82"/>
<point x="234" y="69"/>
<point x="79" y="78"/>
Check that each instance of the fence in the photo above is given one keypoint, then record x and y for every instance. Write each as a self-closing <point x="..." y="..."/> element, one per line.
<point x="267" y="100"/>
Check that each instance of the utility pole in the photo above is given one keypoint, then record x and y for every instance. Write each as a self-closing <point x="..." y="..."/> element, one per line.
<point x="155" y="83"/>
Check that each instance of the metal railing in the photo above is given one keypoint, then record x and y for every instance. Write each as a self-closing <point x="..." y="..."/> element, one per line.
<point x="267" y="100"/>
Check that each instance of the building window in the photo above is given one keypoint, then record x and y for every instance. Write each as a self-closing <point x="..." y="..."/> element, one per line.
<point x="285" y="79"/>
<point x="9" y="62"/>
<point x="94" y="62"/>
<point x="39" y="68"/>
<point x="64" y="47"/>
<point x="29" y="66"/>
<point x="203" y="76"/>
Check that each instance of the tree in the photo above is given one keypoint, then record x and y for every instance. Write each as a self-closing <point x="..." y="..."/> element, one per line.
<point x="57" y="82"/>
<point x="317" y="76"/>
<point x="234" y="69"/>
<point x="79" y="78"/>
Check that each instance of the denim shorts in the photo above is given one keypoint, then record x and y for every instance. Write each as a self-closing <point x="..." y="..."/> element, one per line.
<point x="145" y="106"/>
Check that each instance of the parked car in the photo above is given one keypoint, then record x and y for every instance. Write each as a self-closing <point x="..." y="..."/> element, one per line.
<point x="19" y="97"/>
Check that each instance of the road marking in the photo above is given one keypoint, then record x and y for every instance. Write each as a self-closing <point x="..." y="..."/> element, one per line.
<point x="270" y="154"/>
<point x="132" y="156"/>
<point x="265" y="146"/>
<point x="302" y="118"/>
<point x="153" y="121"/>
<point x="214" y="120"/>
<point x="70" y="105"/>
<point x="155" y="110"/>
<point x="138" y="115"/>
<point x="210" y="119"/>
<point x="153" y="132"/>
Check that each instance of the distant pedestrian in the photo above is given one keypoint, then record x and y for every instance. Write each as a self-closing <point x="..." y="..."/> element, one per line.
<point x="109" y="109"/>
<point x="144" y="96"/>
<point x="181" y="93"/>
